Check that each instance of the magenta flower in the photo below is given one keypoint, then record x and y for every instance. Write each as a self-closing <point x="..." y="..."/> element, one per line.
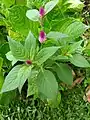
<point x="41" y="12"/>
<point x="28" y="62"/>
<point x="42" y="36"/>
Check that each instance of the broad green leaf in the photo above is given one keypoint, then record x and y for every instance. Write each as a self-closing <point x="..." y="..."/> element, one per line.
<point x="10" y="57"/>
<point x="16" y="78"/>
<point x="33" y="15"/>
<point x="79" y="29"/>
<point x="17" y="49"/>
<point x="56" y="35"/>
<point x="50" y="5"/>
<point x="18" y="20"/>
<point x="11" y="81"/>
<point x="44" y="54"/>
<point x="75" y="46"/>
<point x="47" y="84"/>
<point x="64" y="73"/>
<point x="71" y="27"/>
<point x="23" y="75"/>
<point x="8" y="3"/>
<point x="62" y="24"/>
<point x="79" y="61"/>
<point x="30" y="45"/>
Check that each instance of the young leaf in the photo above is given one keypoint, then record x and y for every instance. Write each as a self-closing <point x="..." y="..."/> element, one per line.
<point x="11" y="57"/>
<point x="79" y="61"/>
<point x="33" y="15"/>
<point x="47" y="84"/>
<point x="56" y="35"/>
<point x="44" y="54"/>
<point x="50" y="5"/>
<point x="17" y="49"/>
<point x="64" y="73"/>
<point x="30" y="45"/>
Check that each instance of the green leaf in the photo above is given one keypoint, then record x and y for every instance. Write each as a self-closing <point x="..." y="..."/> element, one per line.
<point x="75" y="46"/>
<point x="10" y="57"/>
<point x="30" y="45"/>
<point x="18" y="50"/>
<point x="79" y="61"/>
<point x="23" y="75"/>
<point x="18" y="20"/>
<point x="16" y="78"/>
<point x="71" y="27"/>
<point x="11" y="82"/>
<point x="33" y="15"/>
<point x="79" y="29"/>
<point x="56" y="35"/>
<point x="50" y="5"/>
<point x="44" y="54"/>
<point x="47" y="84"/>
<point x="64" y="73"/>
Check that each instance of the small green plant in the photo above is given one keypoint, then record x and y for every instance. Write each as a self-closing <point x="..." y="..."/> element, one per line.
<point x="45" y="57"/>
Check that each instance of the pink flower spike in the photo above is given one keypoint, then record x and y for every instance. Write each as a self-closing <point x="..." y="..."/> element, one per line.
<point x="42" y="36"/>
<point x="41" y="12"/>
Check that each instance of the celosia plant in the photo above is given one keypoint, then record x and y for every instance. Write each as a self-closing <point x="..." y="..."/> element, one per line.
<point x="45" y="58"/>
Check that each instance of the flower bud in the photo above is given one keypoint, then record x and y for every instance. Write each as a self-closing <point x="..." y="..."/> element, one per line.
<point x="28" y="62"/>
<point x="42" y="36"/>
<point x="41" y="12"/>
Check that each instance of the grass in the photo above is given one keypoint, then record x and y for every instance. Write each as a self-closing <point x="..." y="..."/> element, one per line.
<point x="72" y="107"/>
